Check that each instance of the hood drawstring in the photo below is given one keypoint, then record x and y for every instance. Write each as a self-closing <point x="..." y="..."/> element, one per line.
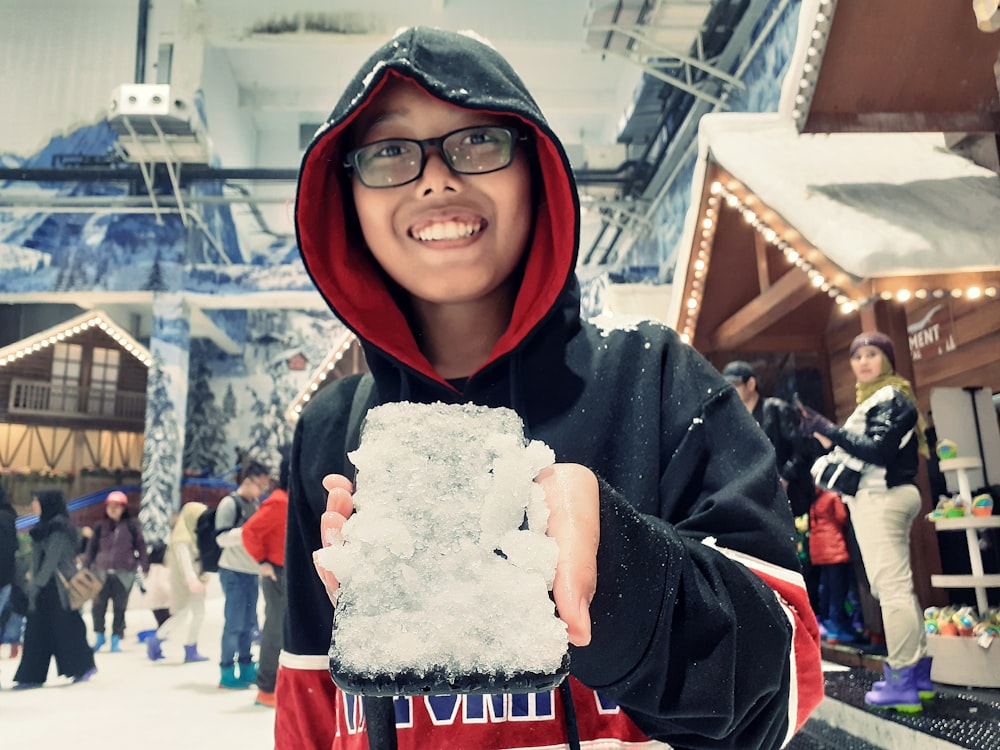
<point x="515" y="392"/>
<point x="569" y="715"/>
<point x="404" y="384"/>
<point x="380" y="719"/>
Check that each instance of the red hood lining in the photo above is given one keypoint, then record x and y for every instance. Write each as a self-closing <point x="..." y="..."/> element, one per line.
<point x="350" y="281"/>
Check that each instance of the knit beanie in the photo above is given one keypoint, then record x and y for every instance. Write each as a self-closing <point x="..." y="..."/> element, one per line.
<point x="876" y="339"/>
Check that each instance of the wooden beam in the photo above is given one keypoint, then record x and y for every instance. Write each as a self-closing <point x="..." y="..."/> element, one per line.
<point x="785" y="342"/>
<point x="760" y="250"/>
<point x="789" y="292"/>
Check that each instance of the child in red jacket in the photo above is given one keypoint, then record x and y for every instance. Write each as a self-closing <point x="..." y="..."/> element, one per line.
<point x="828" y="521"/>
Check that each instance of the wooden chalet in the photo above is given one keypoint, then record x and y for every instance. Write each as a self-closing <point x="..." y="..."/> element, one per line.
<point x="345" y="358"/>
<point x="72" y="408"/>
<point x="871" y="200"/>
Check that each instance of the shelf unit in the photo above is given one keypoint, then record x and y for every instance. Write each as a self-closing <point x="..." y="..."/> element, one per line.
<point x="978" y="581"/>
<point x="963" y="660"/>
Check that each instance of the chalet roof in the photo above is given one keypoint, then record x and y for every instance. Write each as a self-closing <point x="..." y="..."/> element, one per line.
<point x="894" y="66"/>
<point x="877" y="204"/>
<point x="871" y="207"/>
<point x="68" y="330"/>
<point x="320" y="375"/>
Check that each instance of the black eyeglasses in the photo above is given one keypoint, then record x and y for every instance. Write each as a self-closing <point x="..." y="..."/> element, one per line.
<point x="398" y="161"/>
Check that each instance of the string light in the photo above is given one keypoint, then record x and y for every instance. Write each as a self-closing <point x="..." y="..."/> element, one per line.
<point x="72" y="328"/>
<point x="327" y="366"/>
<point x="758" y="218"/>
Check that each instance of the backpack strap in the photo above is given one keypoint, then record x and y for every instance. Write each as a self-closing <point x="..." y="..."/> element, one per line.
<point x="360" y="405"/>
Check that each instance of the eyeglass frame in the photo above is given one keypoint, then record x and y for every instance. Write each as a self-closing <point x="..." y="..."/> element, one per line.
<point x="350" y="158"/>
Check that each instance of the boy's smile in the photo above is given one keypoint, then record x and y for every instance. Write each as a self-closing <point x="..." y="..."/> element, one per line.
<point x="451" y="229"/>
<point x="445" y="237"/>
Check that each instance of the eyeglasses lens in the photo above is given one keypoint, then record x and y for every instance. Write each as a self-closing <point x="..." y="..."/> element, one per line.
<point x="395" y="162"/>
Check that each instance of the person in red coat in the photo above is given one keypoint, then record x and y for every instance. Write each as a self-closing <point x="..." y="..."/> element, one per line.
<point x="264" y="539"/>
<point x="828" y="521"/>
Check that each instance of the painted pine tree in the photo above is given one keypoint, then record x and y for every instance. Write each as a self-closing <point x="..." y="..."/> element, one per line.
<point x="270" y="432"/>
<point x="205" y="427"/>
<point x="161" y="457"/>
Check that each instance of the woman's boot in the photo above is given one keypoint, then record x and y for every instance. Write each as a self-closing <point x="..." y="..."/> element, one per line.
<point x="925" y="688"/>
<point x="899" y="691"/>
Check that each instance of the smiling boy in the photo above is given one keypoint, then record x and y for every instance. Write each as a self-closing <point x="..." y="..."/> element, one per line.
<point x="438" y="217"/>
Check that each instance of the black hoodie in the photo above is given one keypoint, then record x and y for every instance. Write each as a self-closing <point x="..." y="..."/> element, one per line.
<point x="702" y="632"/>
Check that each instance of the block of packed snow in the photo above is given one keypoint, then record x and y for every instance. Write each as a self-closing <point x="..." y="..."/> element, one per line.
<point x="445" y="568"/>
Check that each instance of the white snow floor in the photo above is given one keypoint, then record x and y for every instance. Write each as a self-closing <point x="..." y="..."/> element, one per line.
<point x="133" y="703"/>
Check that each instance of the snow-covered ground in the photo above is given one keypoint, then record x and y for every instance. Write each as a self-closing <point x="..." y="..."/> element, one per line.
<point x="133" y="703"/>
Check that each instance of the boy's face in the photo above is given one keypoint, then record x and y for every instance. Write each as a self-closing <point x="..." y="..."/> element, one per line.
<point x="445" y="237"/>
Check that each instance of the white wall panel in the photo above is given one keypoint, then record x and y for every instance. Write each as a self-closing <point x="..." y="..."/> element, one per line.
<point x="59" y="61"/>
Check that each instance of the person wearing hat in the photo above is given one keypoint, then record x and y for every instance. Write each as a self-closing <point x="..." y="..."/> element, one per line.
<point x="873" y="464"/>
<point x="794" y="452"/>
<point x="115" y="550"/>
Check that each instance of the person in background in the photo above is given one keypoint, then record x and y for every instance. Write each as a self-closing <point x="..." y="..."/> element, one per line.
<point x="8" y="572"/>
<point x="158" y="581"/>
<point x="187" y="587"/>
<point x="238" y="574"/>
<point x="828" y="552"/>
<point x="264" y="540"/>
<point x="52" y="628"/>
<point x="12" y="633"/>
<point x="780" y="422"/>
<point x="115" y="551"/>
<point x="437" y="214"/>
<point x="877" y="451"/>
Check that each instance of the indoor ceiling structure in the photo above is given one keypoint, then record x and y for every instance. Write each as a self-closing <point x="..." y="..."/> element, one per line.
<point x="620" y="81"/>
<point x="623" y="83"/>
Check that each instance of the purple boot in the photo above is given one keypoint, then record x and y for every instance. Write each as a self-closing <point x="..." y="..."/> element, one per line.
<point x="153" y="650"/>
<point x="191" y="653"/>
<point x="925" y="688"/>
<point x="899" y="693"/>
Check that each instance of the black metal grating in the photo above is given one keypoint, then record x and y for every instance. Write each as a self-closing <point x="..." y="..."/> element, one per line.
<point x="964" y="717"/>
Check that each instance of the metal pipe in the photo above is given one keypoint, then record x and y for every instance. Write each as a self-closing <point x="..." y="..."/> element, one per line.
<point x="188" y="173"/>
<point x="140" y="41"/>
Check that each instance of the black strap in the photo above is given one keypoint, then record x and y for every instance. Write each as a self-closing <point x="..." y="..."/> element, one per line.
<point x="380" y="718"/>
<point x="359" y="407"/>
<point x="569" y="715"/>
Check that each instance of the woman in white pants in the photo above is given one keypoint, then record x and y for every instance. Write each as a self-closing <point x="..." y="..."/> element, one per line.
<point x="873" y="465"/>
<point x="187" y="587"/>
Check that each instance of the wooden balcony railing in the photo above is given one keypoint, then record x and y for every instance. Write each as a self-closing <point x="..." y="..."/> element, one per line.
<point x="73" y="402"/>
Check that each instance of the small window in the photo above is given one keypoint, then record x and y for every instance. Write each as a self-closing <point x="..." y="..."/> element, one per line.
<point x="65" y="396"/>
<point x="103" y="381"/>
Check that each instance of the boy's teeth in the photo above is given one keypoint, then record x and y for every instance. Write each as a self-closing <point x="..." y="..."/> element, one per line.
<point x="449" y="230"/>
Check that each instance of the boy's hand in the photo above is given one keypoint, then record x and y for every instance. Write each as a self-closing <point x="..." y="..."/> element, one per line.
<point x="339" y="506"/>
<point x="572" y="495"/>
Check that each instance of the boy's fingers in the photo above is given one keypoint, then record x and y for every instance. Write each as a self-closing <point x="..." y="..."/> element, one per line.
<point x="330" y="582"/>
<point x="330" y="524"/>
<point x="571" y="493"/>
<point x="332" y="481"/>
<point x="339" y="501"/>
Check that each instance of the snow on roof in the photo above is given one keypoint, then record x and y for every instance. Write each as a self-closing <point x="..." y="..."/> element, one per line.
<point x="341" y="346"/>
<point x="876" y="204"/>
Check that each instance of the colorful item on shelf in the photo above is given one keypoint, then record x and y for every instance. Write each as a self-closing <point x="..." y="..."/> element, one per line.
<point x="950" y="507"/>
<point x="946" y="449"/>
<point x="982" y="505"/>
<point x="963" y="621"/>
